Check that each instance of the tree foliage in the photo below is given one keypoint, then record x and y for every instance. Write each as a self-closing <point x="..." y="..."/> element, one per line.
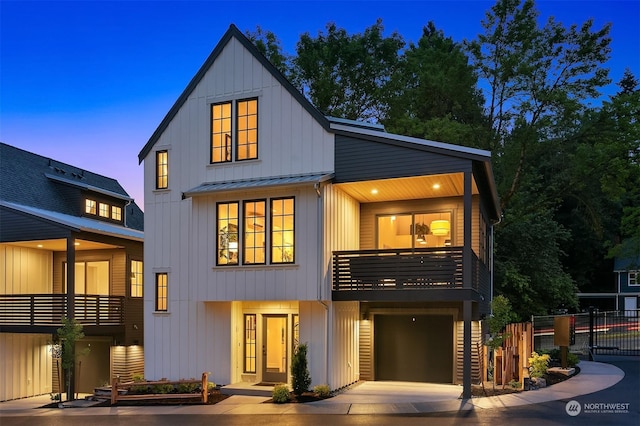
<point x="300" y="377"/>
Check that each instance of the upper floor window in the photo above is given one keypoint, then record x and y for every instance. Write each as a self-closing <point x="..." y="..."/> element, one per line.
<point x="282" y="224"/>
<point x="116" y="213"/>
<point x="162" y="287"/>
<point x="90" y="206"/>
<point x="136" y="278"/>
<point x="90" y="278"/>
<point x="414" y="230"/>
<point x="104" y="210"/>
<point x="246" y="130"/>
<point x="633" y="278"/>
<point x="162" y="169"/>
<point x="262" y="234"/>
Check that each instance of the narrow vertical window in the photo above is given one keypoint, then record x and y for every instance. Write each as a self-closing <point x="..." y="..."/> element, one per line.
<point x="295" y="332"/>
<point x="228" y="233"/>
<point x="161" y="291"/>
<point x="162" y="169"/>
<point x="247" y="129"/>
<point x="282" y="230"/>
<point x="254" y="232"/>
<point x="250" y="343"/>
<point x="116" y="213"/>
<point x="221" y="132"/>
<point x="90" y="206"/>
<point x="136" y="278"/>
<point x="104" y="210"/>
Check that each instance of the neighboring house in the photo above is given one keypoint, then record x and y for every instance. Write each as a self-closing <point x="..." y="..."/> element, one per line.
<point x="52" y="215"/>
<point x="627" y="272"/>
<point x="269" y="224"/>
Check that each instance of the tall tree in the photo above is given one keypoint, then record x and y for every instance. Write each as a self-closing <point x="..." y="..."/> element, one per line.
<point x="346" y="75"/>
<point x="271" y="47"/>
<point x="437" y="96"/>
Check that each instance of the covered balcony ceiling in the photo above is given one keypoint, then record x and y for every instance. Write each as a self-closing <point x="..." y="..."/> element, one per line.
<point x="410" y="188"/>
<point x="60" y="244"/>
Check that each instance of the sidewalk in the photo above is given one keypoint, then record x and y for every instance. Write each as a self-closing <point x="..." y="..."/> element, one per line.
<point x="367" y="398"/>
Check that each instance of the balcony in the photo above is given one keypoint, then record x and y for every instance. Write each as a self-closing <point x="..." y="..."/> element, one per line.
<point x="44" y="312"/>
<point x="421" y="274"/>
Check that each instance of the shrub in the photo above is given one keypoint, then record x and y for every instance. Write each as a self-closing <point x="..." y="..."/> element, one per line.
<point x="280" y="394"/>
<point x="211" y="386"/>
<point x="538" y="365"/>
<point x="165" y="388"/>
<point x="515" y="384"/>
<point x="555" y="354"/>
<point x="187" y="387"/>
<point x="300" y="377"/>
<point x="322" y="391"/>
<point x="138" y="378"/>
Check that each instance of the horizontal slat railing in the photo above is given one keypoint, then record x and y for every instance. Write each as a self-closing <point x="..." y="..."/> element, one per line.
<point x="398" y="269"/>
<point x="49" y="309"/>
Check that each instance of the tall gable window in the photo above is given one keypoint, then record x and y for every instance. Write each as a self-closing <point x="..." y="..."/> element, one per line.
<point x="247" y="144"/>
<point x="162" y="169"/>
<point x="244" y="115"/>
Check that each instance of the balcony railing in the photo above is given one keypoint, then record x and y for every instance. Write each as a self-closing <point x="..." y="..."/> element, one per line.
<point x="49" y="309"/>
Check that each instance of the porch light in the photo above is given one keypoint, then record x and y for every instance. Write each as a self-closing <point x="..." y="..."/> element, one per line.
<point x="440" y="228"/>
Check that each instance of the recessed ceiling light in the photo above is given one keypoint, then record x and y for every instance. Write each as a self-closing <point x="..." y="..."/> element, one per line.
<point x="374" y="191"/>
<point x="436" y="186"/>
<point x="40" y="246"/>
<point x="76" y="244"/>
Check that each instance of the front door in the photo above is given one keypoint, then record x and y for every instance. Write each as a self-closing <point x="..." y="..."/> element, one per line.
<point x="274" y="349"/>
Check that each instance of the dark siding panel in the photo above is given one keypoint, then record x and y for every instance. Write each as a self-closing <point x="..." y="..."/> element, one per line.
<point x="358" y="160"/>
<point x="18" y="226"/>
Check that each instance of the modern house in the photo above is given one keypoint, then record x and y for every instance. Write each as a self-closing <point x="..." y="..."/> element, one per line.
<point x="53" y="215"/>
<point x="269" y="224"/>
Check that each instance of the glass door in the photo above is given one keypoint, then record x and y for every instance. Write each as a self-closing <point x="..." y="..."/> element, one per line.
<point x="274" y="349"/>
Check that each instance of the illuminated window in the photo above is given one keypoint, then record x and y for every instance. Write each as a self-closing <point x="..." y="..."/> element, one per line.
<point x="136" y="278"/>
<point x="250" y="343"/>
<point x="161" y="291"/>
<point x="419" y="230"/>
<point x="104" y="210"/>
<point x="162" y="169"/>
<point x="221" y="132"/>
<point x="282" y="227"/>
<point x="247" y="143"/>
<point x="254" y="232"/>
<point x="228" y="233"/>
<point x="116" y="213"/>
<point x="90" y="278"/>
<point x="90" y="206"/>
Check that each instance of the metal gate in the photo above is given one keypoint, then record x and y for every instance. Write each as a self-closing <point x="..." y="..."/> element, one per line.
<point x="596" y="332"/>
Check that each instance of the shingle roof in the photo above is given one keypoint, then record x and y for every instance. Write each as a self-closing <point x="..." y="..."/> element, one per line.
<point x="32" y="180"/>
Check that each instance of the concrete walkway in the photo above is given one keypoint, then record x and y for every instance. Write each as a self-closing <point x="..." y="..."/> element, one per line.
<point x="365" y="398"/>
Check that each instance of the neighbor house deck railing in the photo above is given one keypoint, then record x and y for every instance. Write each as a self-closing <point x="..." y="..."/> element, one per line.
<point x="49" y="309"/>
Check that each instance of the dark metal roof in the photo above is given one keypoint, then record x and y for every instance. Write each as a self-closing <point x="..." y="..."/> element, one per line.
<point x="211" y="187"/>
<point x="32" y="180"/>
<point x="232" y="32"/>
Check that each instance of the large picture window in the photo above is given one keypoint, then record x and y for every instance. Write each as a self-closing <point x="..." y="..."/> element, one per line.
<point x="282" y="230"/>
<point x="162" y="287"/>
<point x="90" y="278"/>
<point x="414" y="230"/>
<point x="254" y="232"/>
<point x="228" y="233"/>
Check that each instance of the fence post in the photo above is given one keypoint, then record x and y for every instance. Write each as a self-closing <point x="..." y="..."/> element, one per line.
<point x="205" y="388"/>
<point x="591" y="321"/>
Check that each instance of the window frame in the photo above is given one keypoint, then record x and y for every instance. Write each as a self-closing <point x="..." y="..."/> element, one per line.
<point x="116" y="211"/>
<point x="220" y="236"/>
<point x="162" y="299"/>
<point x="162" y="169"/>
<point x="229" y="146"/>
<point x="246" y="233"/>
<point x="635" y="275"/>
<point x="136" y="279"/>
<point x="250" y="354"/>
<point x="90" y="206"/>
<point x="238" y="129"/>
<point x="272" y="231"/>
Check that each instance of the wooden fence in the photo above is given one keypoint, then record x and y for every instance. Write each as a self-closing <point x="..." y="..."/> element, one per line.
<point x="512" y="359"/>
<point x="116" y="387"/>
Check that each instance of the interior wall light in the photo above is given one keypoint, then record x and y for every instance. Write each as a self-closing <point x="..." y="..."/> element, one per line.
<point x="440" y="227"/>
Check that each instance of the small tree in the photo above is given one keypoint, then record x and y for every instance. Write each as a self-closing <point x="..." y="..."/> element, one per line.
<point x="500" y="317"/>
<point x="69" y="334"/>
<point x="300" y="371"/>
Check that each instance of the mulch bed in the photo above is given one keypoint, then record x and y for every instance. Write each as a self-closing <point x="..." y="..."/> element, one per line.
<point x="551" y="378"/>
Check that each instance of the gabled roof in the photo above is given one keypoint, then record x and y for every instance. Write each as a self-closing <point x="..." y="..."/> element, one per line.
<point x="34" y="181"/>
<point x="232" y="32"/>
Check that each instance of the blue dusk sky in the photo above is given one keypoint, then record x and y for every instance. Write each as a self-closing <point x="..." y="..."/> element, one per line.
<point x="87" y="82"/>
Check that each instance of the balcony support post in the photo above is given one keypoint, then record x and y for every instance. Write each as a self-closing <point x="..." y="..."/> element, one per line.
<point x="467" y="277"/>
<point x="71" y="291"/>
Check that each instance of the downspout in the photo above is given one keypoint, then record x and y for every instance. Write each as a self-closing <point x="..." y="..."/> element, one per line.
<point x="125" y="211"/>
<point x="320" y="262"/>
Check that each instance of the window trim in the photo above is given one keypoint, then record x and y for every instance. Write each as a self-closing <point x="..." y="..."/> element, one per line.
<point x="253" y="355"/>
<point x="271" y="232"/>
<point x="244" y="233"/>
<point x="133" y="275"/>
<point x="230" y="135"/>
<point x="238" y="231"/>
<point x="636" y="275"/>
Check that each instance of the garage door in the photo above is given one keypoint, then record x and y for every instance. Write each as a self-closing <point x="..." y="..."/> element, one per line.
<point x="414" y="348"/>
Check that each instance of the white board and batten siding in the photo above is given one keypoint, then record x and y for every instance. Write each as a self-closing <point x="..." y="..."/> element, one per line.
<point x="25" y="270"/>
<point x="344" y="367"/>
